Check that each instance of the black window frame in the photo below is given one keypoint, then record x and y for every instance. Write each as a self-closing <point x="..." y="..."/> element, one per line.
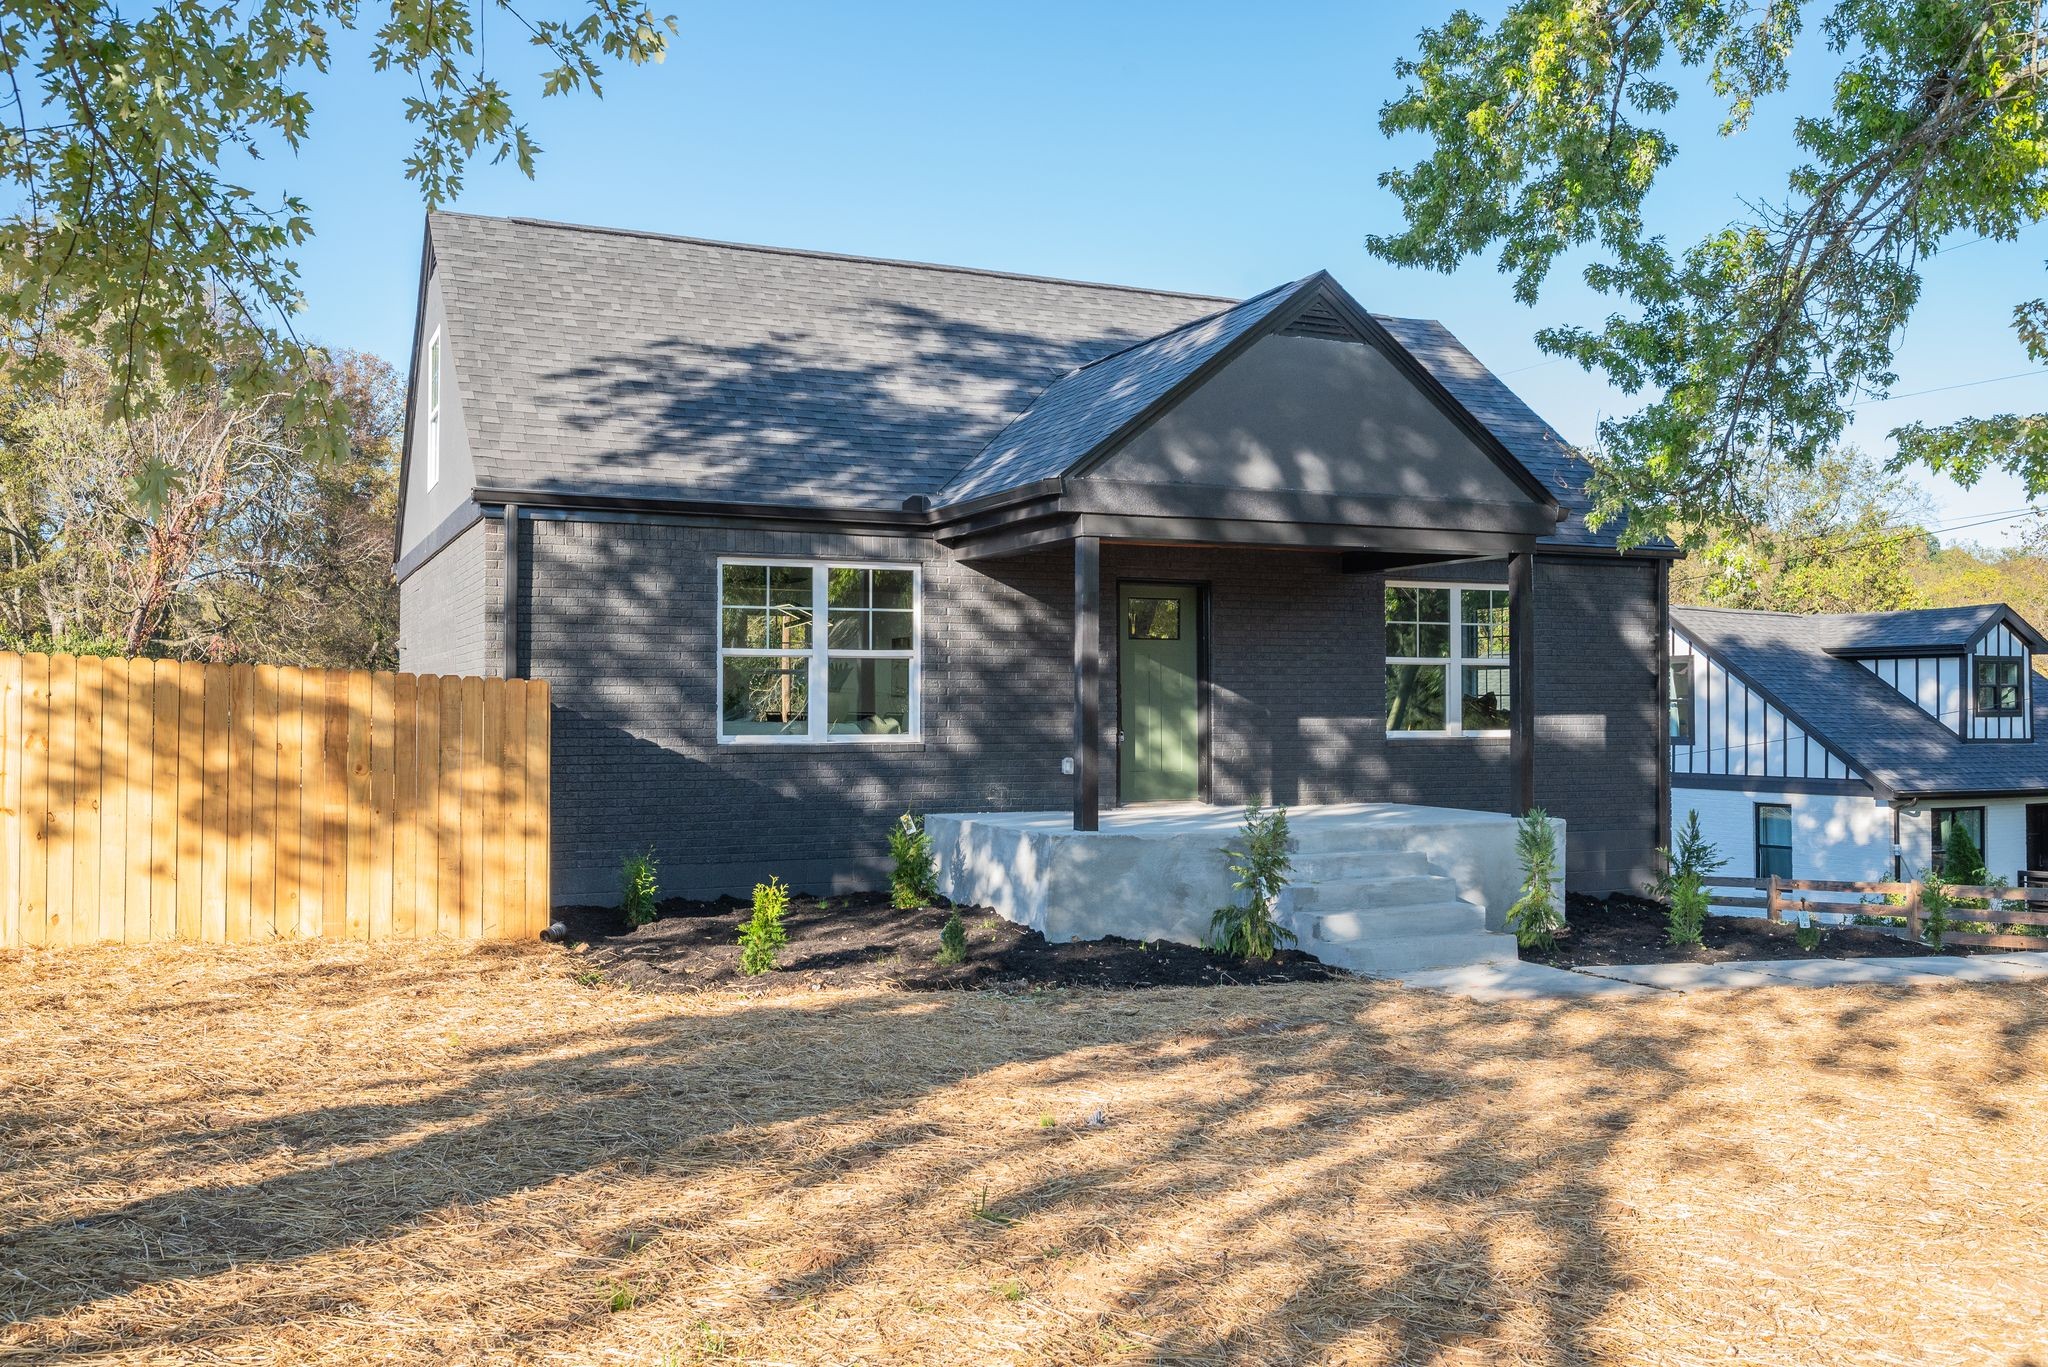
<point x="1937" y="838"/>
<point x="1763" y="869"/>
<point x="1679" y="719"/>
<point x="1978" y="686"/>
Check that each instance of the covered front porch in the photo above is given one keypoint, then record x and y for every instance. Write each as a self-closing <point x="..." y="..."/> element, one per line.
<point x="1378" y="887"/>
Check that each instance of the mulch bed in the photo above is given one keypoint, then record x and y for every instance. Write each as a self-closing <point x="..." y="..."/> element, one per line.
<point x="862" y="940"/>
<point x="1630" y="930"/>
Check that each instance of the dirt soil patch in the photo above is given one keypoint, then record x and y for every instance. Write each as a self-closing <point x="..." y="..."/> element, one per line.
<point x="862" y="941"/>
<point x="1630" y="930"/>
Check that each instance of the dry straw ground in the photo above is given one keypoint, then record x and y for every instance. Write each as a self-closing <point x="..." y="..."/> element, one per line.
<point x="432" y="1155"/>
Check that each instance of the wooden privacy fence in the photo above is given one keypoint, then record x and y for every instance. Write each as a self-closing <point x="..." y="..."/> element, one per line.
<point x="2023" y="906"/>
<point x="157" y="800"/>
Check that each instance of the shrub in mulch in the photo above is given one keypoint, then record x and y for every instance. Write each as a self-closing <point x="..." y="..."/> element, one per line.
<point x="1621" y="929"/>
<point x="862" y="940"/>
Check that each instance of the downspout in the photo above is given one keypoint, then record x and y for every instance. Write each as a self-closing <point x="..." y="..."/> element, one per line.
<point x="508" y="626"/>
<point x="1899" y="808"/>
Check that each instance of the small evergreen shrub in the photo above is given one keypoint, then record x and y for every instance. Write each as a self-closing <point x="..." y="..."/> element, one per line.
<point x="1808" y="936"/>
<point x="1685" y="915"/>
<point x="1248" y="930"/>
<point x="915" y="883"/>
<point x="1689" y="862"/>
<point x="1534" y="918"/>
<point x="1691" y="853"/>
<point x="953" y="941"/>
<point x="1961" y="862"/>
<point x="761" y="934"/>
<point x="1935" y="906"/>
<point x="639" y="888"/>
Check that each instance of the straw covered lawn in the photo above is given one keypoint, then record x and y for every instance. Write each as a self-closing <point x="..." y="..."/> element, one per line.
<point x="437" y="1155"/>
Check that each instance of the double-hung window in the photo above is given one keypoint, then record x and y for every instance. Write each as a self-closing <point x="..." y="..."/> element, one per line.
<point x="1773" y="839"/>
<point x="434" y="410"/>
<point x="817" y="652"/>
<point x="1942" y="821"/>
<point x="1447" y="660"/>
<point x="1998" y="689"/>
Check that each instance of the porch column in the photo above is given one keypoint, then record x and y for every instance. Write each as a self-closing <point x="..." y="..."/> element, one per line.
<point x="1087" y="682"/>
<point x="1522" y="677"/>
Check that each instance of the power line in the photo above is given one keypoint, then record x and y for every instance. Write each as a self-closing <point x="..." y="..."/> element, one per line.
<point x="1945" y="388"/>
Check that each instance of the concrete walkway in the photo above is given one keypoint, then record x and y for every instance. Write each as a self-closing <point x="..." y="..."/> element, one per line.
<point x="1521" y="982"/>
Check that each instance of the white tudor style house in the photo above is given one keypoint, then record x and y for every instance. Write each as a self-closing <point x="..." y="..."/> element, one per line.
<point x="1842" y="746"/>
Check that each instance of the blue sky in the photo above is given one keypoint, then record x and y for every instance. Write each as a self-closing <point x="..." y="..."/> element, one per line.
<point x="1212" y="147"/>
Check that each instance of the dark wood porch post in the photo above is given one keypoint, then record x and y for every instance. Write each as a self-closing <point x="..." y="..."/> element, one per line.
<point x="1522" y="677"/>
<point x="1087" y="682"/>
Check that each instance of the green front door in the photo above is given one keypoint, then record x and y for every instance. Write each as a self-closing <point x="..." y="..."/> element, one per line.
<point x="1158" y="693"/>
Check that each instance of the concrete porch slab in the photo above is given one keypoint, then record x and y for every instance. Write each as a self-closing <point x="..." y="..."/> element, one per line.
<point x="1158" y="872"/>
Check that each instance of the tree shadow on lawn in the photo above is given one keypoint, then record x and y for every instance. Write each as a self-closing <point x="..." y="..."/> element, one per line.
<point x="1291" y="1173"/>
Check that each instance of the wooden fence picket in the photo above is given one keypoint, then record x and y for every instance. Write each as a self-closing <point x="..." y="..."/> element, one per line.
<point x="150" y="800"/>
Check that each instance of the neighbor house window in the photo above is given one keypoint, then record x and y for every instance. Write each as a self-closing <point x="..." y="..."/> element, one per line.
<point x="1681" y="702"/>
<point x="1942" y="819"/>
<point x="1447" y="660"/>
<point x="1998" y="685"/>
<point x="817" y="652"/>
<point x="434" y="410"/>
<point x="1773" y="840"/>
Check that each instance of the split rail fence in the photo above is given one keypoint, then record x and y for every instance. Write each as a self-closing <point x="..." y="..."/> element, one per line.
<point x="147" y="800"/>
<point x="2022" y="906"/>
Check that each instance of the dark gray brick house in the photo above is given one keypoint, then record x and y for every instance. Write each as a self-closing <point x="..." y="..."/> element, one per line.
<point x="803" y="541"/>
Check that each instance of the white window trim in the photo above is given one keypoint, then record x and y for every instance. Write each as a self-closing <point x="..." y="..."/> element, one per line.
<point x="436" y="384"/>
<point x="819" y="653"/>
<point x="1453" y="664"/>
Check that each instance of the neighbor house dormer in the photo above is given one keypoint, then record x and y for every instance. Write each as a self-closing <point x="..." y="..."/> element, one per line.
<point x="1971" y="669"/>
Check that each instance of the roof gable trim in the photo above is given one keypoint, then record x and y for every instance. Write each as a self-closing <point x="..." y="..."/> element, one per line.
<point x="1321" y="297"/>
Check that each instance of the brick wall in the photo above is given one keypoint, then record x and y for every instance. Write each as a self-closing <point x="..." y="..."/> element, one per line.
<point x="442" y="623"/>
<point x="620" y="617"/>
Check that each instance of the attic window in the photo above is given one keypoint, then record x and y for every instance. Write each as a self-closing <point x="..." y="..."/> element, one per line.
<point x="434" y="410"/>
<point x="1998" y="689"/>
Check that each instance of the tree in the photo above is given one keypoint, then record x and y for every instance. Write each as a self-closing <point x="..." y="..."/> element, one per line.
<point x="1548" y="130"/>
<point x="2016" y="575"/>
<point x="1844" y="536"/>
<point x="202" y="528"/>
<point x="132" y="235"/>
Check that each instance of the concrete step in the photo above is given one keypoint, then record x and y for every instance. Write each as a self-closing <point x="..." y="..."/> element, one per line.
<point x="1368" y="894"/>
<point x="1414" y="954"/>
<point x="1336" y="864"/>
<point x="1387" y="923"/>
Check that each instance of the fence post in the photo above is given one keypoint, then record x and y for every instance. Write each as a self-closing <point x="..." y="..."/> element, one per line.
<point x="1775" y="908"/>
<point x="1913" y="912"/>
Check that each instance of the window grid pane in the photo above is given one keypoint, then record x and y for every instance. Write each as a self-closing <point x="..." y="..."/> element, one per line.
<point x="1486" y="699"/>
<point x="1415" y="697"/>
<point x="1484" y="614"/>
<point x="1418" y="622"/>
<point x="767" y="695"/>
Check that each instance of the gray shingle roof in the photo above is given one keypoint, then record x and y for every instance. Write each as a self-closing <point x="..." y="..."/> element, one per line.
<point x="1793" y="658"/>
<point x="1534" y="442"/>
<point x="595" y="361"/>
<point x="1902" y="633"/>
<point x="1089" y="405"/>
